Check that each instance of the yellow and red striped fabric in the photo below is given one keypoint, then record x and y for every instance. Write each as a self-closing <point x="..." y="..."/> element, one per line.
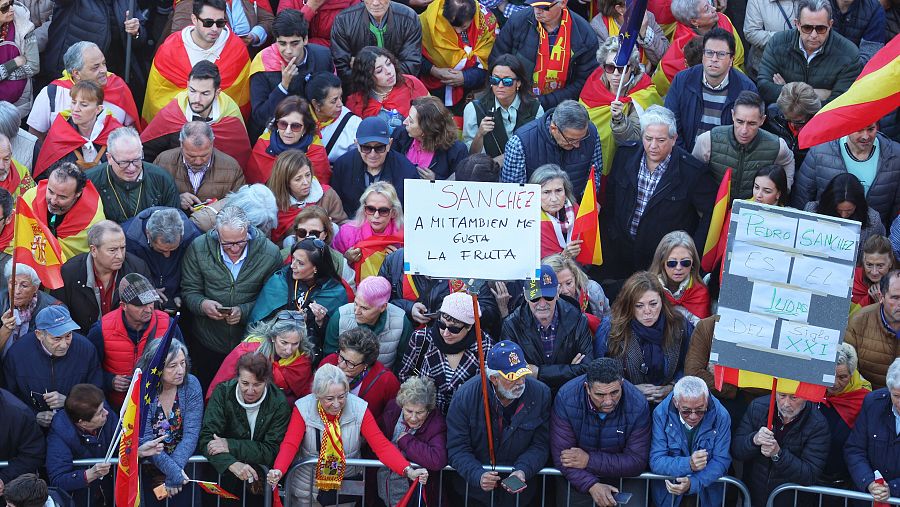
<point x="35" y="246"/>
<point x="717" y="237"/>
<point x="587" y="225"/>
<point x="171" y="66"/>
<point x="72" y="232"/>
<point x="873" y="94"/>
<point x="752" y="380"/>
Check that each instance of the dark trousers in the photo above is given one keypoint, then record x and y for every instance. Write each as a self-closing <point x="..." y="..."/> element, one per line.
<point x="205" y="362"/>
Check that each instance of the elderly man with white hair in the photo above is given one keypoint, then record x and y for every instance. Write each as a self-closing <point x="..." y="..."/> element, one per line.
<point x="874" y="443"/>
<point x="330" y="423"/>
<point x="654" y="188"/>
<point x="691" y="441"/>
<point x="222" y="273"/>
<point x="126" y="183"/>
<point x="14" y="177"/>
<point x="18" y="318"/>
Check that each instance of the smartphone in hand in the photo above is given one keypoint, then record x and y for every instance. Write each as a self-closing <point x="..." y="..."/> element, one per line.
<point x="226" y="310"/>
<point x="513" y="483"/>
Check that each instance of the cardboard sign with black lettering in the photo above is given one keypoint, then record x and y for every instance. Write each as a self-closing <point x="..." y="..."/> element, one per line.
<point x="464" y="229"/>
<point x="785" y="293"/>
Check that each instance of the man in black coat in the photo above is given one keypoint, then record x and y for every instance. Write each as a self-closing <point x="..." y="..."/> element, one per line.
<point x="521" y="36"/>
<point x="654" y="188"/>
<point x="21" y="441"/>
<point x="553" y="333"/>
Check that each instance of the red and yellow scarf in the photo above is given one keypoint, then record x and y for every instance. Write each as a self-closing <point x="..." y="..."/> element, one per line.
<point x="552" y="64"/>
<point x="332" y="462"/>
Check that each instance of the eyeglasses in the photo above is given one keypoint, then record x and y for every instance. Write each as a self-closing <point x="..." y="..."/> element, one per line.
<point x="208" y="23"/>
<point x="798" y="124"/>
<point x="5" y="8"/>
<point x="820" y="29"/>
<point x="231" y="244"/>
<point x="505" y="81"/>
<point x="611" y="68"/>
<point x="572" y="142"/>
<point x="452" y="329"/>
<point x="284" y="125"/>
<point x="378" y="148"/>
<point x="546" y="7"/>
<point x="351" y="364"/>
<point x="685" y="263"/>
<point x="382" y="212"/>
<point x="687" y="412"/>
<point x="289" y="315"/>
<point x="303" y="233"/>
<point x="719" y="55"/>
<point x="125" y="163"/>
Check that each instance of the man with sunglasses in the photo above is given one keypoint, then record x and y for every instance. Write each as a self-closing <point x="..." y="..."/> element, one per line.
<point x="370" y="162"/>
<point x="535" y="35"/>
<point x="202" y="101"/>
<point x="553" y="333"/>
<point x="691" y="442"/>
<point x="208" y="38"/>
<point x="811" y="53"/>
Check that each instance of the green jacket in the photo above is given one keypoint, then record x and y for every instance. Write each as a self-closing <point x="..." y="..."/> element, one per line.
<point x="123" y="200"/>
<point x="276" y="296"/>
<point x="227" y="419"/>
<point x="204" y="276"/>
<point x="725" y="151"/>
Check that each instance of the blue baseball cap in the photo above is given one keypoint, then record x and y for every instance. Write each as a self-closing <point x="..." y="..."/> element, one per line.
<point x="507" y="358"/>
<point x="56" y="320"/>
<point x="373" y="130"/>
<point x="545" y="285"/>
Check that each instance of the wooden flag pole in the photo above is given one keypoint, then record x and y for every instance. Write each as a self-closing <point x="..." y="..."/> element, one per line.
<point x="772" y="404"/>
<point x="484" y="390"/>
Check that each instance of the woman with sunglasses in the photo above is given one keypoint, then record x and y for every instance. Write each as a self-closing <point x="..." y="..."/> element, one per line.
<point x="615" y="97"/>
<point x="78" y="134"/>
<point x="283" y="342"/>
<point x="370" y="379"/>
<point x="295" y="187"/>
<point x="313" y="221"/>
<point x="378" y="223"/>
<point x="677" y="265"/>
<point x="652" y="41"/>
<point x="648" y="335"/>
<point x="796" y="105"/>
<point x="446" y="350"/>
<point x="310" y="285"/>
<point x="429" y="139"/>
<point x="19" y="58"/>
<point x="292" y="128"/>
<point x="496" y="114"/>
<point x="379" y="89"/>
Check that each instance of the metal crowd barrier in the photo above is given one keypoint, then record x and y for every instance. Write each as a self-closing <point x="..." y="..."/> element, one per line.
<point x="193" y="461"/>
<point x="825" y="492"/>
<point x="543" y="473"/>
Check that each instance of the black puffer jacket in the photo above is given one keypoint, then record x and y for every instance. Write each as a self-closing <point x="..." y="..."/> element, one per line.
<point x="804" y="448"/>
<point x="403" y="37"/>
<point x="824" y="162"/>
<point x="519" y="37"/>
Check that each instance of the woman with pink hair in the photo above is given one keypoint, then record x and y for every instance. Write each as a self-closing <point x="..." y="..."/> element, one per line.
<point x="371" y="309"/>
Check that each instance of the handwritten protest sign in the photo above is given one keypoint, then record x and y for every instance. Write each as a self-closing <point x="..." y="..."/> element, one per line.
<point x="461" y="229"/>
<point x="785" y="294"/>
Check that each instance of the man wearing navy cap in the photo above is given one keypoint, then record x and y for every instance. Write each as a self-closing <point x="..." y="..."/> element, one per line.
<point x="553" y="333"/>
<point x="371" y="161"/>
<point x="41" y="368"/>
<point x="520" y="421"/>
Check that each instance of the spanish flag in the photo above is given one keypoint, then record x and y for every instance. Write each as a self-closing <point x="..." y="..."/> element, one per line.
<point x="587" y="225"/>
<point x="874" y="93"/>
<point x="72" y="232"/>
<point x="717" y="237"/>
<point x="34" y="246"/>
<point x="214" y="489"/>
<point x="673" y="61"/>
<point x="127" y="477"/>
<point x="19" y="180"/>
<point x="62" y="139"/>
<point x="115" y="92"/>
<point x="171" y="66"/>
<point x="259" y="168"/>
<point x="229" y="129"/>
<point x="752" y="380"/>
<point x="373" y="254"/>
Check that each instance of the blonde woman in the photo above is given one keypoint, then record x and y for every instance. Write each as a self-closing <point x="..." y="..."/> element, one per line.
<point x="677" y="265"/>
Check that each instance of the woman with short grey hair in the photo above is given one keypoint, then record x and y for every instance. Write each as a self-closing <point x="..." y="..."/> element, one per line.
<point x="413" y="425"/>
<point x="558" y="211"/>
<point x="330" y="424"/>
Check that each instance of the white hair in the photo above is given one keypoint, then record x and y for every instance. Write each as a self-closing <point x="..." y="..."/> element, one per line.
<point x="658" y="115"/>
<point x="893" y="375"/>
<point x="326" y="376"/>
<point x="690" y="388"/>
<point x="21" y="269"/>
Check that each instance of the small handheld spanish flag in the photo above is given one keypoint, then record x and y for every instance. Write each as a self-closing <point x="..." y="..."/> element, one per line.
<point x="214" y="489"/>
<point x="716" y="238"/>
<point x="587" y="225"/>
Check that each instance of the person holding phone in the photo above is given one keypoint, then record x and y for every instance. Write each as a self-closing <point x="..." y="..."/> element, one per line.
<point x="429" y="139"/>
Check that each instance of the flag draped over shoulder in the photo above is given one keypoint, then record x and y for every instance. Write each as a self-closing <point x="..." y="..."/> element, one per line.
<point x="373" y="254"/>
<point x="874" y="93"/>
<point x="115" y="92"/>
<point x="717" y="237"/>
<point x="587" y="225"/>
<point x="72" y="232"/>
<point x="19" y="179"/>
<point x="127" y="473"/>
<point x="259" y="166"/>
<point x="673" y="61"/>
<point x="63" y="139"/>
<point x="33" y="245"/>
<point x="749" y="379"/>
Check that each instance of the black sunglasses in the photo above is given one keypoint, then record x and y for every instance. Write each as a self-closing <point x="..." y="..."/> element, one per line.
<point x="820" y="29"/>
<point x="546" y="7"/>
<point x="611" y="68"/>
<point x="545" y="298"/>
<point x="685" y="263"/>
<point x="303" y="233"/>
<point x="453" y="329"/>
<point x="382" y="212"/>
<point x="365" y="148"/>
<point x="6" y="8"/>
<point x="208" y="23"/>
<point x="506" y="81"/>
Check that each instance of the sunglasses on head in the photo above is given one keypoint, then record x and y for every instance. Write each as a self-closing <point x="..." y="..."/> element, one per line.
<point x="820" y="29"/>
<point x="289" y="315"/>
<point x="505" y="81"/>
<point x="303" y="233"/>
<point x="382" y="212"/>
<point x="379" y="148"/>
<point x="5" y="8"/>
<point x="284" y="125"/>
<point x="611" y="68"/>
<point x="208" y="23"/>
<point x="685" y="263"/>
<point x="452" y="329"/>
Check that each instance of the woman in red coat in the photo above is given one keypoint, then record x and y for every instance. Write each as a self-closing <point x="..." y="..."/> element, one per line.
<point x="292" y="129"/>
<point x="677" y="265"/>
<point x="558" y="211"/>
<point x="876" y="261"/>
<point x="283" y="341"/>
<point x="380" y="90"/>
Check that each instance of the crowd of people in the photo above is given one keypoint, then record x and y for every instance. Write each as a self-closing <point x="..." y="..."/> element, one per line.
<point x="241" y="165"/>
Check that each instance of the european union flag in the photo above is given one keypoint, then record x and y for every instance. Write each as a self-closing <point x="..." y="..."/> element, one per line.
<point x="631" y="29"/>
<point x="150" y="381"/>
